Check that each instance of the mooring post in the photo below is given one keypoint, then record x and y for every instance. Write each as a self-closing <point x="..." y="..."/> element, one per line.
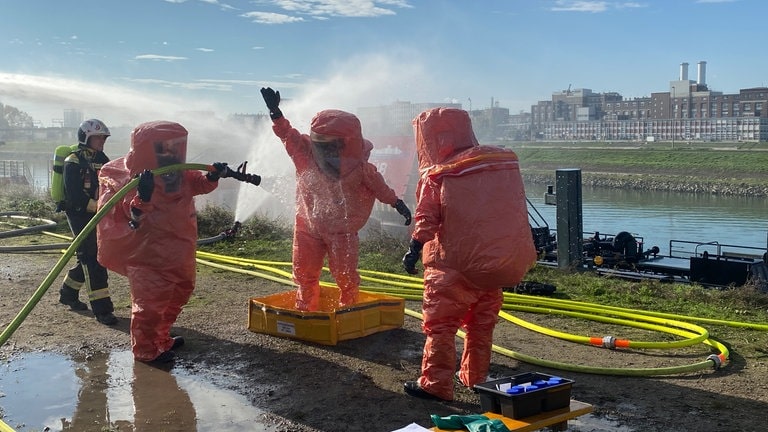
<point x="569" y="221"/>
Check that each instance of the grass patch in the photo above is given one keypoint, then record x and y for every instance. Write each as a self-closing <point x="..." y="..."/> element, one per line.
<point x="703" y="162"/>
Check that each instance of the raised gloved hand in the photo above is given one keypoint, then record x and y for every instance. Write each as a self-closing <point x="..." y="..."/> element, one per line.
<point x="146" y="185"/>
<point x="403" y="210"/>
<point x="272" y="99"/>
<point x="220" y="169"/>
<point x="412" y="256"/>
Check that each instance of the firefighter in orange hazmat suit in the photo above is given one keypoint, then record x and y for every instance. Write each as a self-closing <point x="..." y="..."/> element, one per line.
<point x="336" y="187"/>
<point x="150" y="235"/>
<point x="471" y="220"/>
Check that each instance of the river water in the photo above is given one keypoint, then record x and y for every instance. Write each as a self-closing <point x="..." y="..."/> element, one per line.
<point x="659" y="217"/>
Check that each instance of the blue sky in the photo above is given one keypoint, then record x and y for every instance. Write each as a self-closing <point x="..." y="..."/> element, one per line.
<point x="129" y="61"/>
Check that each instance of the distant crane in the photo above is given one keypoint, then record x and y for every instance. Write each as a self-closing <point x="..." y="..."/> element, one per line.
<point x="568" y="92"/>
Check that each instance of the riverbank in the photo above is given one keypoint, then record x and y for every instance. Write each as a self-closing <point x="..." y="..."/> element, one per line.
<point x="701" y="170"/>
<point x="661" y="183"/>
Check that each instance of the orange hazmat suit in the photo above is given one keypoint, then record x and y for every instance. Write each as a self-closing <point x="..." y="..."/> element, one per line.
<point x="471" y="218"/>
<point x="336" y="188"/>
<point x="157" y="254"/>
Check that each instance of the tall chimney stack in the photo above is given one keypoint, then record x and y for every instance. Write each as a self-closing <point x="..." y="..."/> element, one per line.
<point x="683" y="71"/>
<point x="702" y="73"/>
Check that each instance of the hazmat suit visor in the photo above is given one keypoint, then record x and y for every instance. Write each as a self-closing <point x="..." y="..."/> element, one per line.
<point x="441" y="133"/>
<point x="337" y="142"/>
<point x="327" y="151"/>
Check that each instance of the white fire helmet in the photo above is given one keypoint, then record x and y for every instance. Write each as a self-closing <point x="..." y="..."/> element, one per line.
<point x="89" y="128"/>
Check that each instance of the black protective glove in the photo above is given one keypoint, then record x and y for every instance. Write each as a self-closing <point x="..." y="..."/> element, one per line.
<point x="220" y="169"/>
<point x="403" y="210"/>
<point x="272" y="99"/>
<point x="146" y="185"/>
<point x="412" y="256"/>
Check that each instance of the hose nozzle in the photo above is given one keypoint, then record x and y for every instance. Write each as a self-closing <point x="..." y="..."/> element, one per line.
<point x="242" y="175"/>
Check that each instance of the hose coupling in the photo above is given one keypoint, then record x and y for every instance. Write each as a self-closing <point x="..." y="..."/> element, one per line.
<point x="716" y="360"/>
<point x="609" y="342"/>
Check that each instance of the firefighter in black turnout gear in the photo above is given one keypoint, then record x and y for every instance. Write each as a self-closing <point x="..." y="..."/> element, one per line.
<point x="81" y="191"/>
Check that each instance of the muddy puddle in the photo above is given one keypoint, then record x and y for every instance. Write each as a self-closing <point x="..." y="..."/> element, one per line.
<point x="110" y="392"/>
<point x="105" y="392"/>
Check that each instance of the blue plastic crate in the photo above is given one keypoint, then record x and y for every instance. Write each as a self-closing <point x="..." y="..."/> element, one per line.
<point x="524" y="395"/>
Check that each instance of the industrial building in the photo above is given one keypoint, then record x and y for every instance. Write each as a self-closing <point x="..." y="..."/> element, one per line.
<point x="689" y="110"/>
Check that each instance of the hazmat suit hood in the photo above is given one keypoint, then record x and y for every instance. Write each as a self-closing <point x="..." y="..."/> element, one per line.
<point x="157" y="144"/>
<point x="440" y="134"/>
<point x="337" y="142"/>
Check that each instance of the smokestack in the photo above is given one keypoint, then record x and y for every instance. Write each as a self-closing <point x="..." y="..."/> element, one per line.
<point x="683" y="71"/>
<point x="702" y="73"/>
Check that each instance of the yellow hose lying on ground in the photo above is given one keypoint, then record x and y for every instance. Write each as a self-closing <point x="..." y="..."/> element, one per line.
<point x="411" y="288"/>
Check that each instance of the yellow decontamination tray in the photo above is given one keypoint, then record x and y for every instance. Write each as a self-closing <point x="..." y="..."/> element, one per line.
<point x="277" y="315"/>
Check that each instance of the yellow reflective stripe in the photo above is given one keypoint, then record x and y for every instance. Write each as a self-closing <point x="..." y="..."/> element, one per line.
<point x="98" y="294"/>
<point x="76" y="285"/>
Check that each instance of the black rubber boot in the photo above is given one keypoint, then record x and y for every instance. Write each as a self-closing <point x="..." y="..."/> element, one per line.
<point x="103" y="310"/>
<point x="107" y="318"/>
<point x="69" y="296"/>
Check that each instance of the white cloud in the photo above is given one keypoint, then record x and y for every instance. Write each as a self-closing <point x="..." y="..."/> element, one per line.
<point x="156" y="57"/>
<point x="597" y="6"/>
<point x="323" y="9"/>
<point x="204" y="49"/>
<point x="270" y="18"/>
<point x="219" y="4"/>
<point x="580" y="6"/>
<point x="343" y="8"/>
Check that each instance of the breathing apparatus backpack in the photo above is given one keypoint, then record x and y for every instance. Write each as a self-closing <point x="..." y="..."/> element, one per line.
<point x="57" y="174"/>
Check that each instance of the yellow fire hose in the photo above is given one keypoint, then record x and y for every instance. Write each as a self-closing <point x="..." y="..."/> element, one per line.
<point x="411" y="288"/>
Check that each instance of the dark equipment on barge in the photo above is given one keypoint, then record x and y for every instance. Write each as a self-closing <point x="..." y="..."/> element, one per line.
<point x="623" y="255"/>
